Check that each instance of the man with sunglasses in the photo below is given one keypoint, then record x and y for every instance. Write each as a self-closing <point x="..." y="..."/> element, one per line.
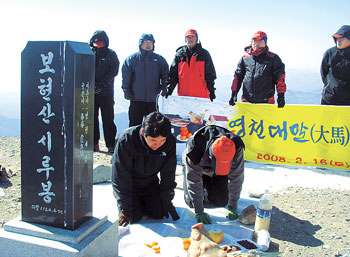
<point x="106" y="68"/>
<point x="335" y="70"/>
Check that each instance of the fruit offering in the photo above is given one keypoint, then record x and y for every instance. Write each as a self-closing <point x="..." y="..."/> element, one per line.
<point x="154" y="246"/>
<point x="184" y="134"/>
<point x="186" y="242"/>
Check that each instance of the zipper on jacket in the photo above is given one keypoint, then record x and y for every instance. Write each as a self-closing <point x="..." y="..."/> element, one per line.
<point x="253" y="81"/>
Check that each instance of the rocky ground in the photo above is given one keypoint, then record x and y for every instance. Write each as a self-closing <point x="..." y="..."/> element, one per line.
<point x="305" y="221"/>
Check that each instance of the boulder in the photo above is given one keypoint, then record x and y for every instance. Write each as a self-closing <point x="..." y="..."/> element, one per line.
<point x="255" y="193"/>
<point x="102" y="173"/>
<point x="248" y="215"/>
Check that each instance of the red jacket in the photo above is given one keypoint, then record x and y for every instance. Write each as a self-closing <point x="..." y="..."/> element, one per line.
<point x="193" y="70"/>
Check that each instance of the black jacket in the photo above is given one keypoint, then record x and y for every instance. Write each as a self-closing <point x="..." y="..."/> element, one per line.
<point x="106" y="65"/>
<point x="335" y="73"/>
<point x="135" y="165"/>
<point x="259" y="76"/>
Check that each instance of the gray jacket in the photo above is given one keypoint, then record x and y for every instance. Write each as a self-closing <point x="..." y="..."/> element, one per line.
<point x="196" y="162"/>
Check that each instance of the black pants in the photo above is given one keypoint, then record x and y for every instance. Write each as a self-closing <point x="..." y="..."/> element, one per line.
<point x="137" y="110"/>
<point x="105" y="103"/>
<point x="217" y="189"/>
<point x="147" y="201"/>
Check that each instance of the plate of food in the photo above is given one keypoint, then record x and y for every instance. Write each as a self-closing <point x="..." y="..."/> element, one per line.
<point x="178" y="137"/>
<point x="177" y="122"/>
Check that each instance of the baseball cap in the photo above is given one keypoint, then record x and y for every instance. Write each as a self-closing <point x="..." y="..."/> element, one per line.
<point x="260" y="35"/>
<point x="222" y="152"/>
<point x="191" y="32"/>
<point x="337" y="35"/>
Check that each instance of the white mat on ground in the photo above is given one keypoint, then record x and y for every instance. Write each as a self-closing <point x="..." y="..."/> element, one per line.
<point x="133" y="238"/>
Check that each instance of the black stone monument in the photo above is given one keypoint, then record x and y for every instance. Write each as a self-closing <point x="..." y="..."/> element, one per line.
<point x="57" y="114"/>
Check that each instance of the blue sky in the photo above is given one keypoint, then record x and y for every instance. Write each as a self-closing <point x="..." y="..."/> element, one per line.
<point x="298" y="31"/>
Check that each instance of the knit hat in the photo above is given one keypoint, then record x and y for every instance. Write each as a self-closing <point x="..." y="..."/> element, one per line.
<point x="260" y="35"/>
<point x="191" y="32"/>
<point x="222" y="152"/>
<point x="146" y="37"/>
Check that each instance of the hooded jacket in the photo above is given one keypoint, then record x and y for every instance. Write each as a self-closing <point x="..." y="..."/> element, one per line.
<point x="193" y="72"/>
<point x="145" y="74"/>
<point x="197" y="162"/>
<point x="106" y="64"/>
<point x="135" y="165"/>
<point x="259" y="75"/>
<point x="335" y="73"/>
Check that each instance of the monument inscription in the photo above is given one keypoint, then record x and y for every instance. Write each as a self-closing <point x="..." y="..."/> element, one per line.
<point x="57" y="98"/>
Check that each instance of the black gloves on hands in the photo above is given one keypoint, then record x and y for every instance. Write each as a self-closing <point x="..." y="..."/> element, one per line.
<point x="128" y="95"/>
<point x="280" y="100"/>
<point x="98" y="90"/>
<point x="164" y="92"/>
<point x="168" y="92"/>
<point x="99" y="87"/>
<point x="170" y="208"/>
<point x="233" y="98"/>
<point x="125" y="217"/>
<point x="212" y="95"/>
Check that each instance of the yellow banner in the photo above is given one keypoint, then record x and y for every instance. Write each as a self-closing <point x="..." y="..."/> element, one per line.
<point x="302" y="135"/>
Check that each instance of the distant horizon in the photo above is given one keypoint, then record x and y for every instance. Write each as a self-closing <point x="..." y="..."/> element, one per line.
<point x="307" y="81"/>
<point x="299" y="32"/>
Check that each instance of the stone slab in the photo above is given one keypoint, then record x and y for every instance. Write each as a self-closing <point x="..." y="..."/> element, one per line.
<point x="53" y="233"/>
<point x="103" y="241"/>
<point x="102" y="173"/>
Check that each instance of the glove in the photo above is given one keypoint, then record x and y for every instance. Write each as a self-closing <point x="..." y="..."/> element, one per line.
<point x="231" y="214"/>
<point x="128" y="95"/>
<point x="280" y="100"/>
<point x="164" y="92"/>
<point x="169" y="92"/>
<point x="98" y="90"/>
<point x="212" y="95"/>
<point x="203" y="217"/>
<point x="125" y="218"/>
<point x="170" y="209"/>
<point x="233" y="98"/>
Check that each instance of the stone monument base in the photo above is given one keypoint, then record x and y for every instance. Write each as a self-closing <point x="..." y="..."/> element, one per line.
<point x="94" y="238"/>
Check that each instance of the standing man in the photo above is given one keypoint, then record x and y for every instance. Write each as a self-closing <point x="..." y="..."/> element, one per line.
<point x="192" y="70"/>
<point x="106" y="68"/>
<point x="145" y="75"/>
<point x="335" y="70"/>
<point x="213" y="160"/>
<point x="260" y="71"/>
<point x="141" y="153"/>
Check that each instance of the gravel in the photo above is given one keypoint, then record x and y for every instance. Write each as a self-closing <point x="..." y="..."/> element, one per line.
<point x="306" y="221"/>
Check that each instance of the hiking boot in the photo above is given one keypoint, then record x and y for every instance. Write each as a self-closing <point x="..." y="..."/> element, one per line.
<point x="110" y="149"/>
<point x="96" y="148"/>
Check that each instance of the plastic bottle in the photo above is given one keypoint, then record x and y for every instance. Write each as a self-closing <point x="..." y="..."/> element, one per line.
<point x="263" y="214"/>
<point x="263" y="239"/>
